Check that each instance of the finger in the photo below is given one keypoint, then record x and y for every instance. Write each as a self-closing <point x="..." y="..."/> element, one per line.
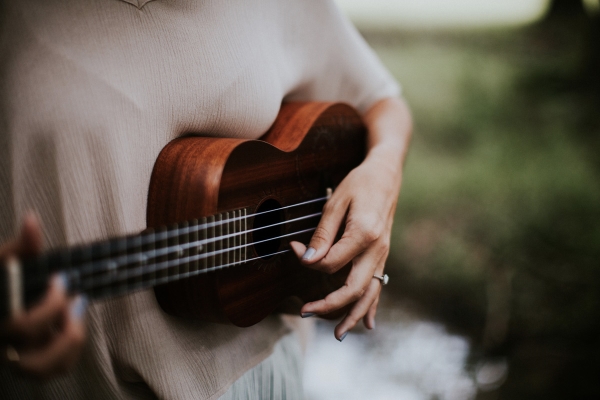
<point x="369" y="319"/>
<point x="298" y="248"/>
<point x="29" y="241"/>
<point x="35" y="325"/>
<point x="326" y="231"/>
<point x="63" y="351"/>
<point x="362" y="230"/>
<point x="358" y="311"/>
<point x="356" y="284"/>
<point x="343" y="252"/>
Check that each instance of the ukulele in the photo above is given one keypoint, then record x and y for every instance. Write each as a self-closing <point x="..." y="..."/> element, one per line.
<point x="220" y="216"/>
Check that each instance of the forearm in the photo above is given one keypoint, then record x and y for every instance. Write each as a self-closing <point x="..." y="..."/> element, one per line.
<point x="389" y="125"/>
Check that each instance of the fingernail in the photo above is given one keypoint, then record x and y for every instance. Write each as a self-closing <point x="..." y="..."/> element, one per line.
<point x="79" y="306"/>
<point x="307" y="314"/>
<point x="62" y="281"/>
<point x="343" y="336"/>
<point x="12" y="355"/>
<point x="373" y="324"/>
<point x="310" y="252"/>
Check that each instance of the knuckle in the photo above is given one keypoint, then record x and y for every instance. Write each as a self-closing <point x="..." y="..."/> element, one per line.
<point x="320" y="235"/>
<point x="370" y="231"/>
<point x="370" y="235"/>
<point x="385" y="247"/>
<point x="353" y="319"/>
<point x="329" y="269"/>
<point x="327" y="308"/>
<point x="328" y="207"/>
<point x="357" y="293"/>
<point x="331" y="305"/>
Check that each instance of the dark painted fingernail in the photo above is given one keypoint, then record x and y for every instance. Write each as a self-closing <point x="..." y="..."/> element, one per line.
<point x="308" y="254"/>
<point x="343" y="336"/>
<point x="78" y="307"/>
<point x="308" y="314"/>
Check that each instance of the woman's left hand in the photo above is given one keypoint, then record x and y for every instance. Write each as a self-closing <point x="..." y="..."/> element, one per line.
<point x="365" y="201"/>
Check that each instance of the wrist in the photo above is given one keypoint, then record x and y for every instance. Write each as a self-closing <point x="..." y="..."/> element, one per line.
<point x="385" y="164"/>
<point x="387" y="156"/>
<point x="389" y="124"/>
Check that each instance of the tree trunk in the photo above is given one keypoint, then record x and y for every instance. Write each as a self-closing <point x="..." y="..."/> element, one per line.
<point x="593" y="57"/>
<point x="560" y="9"/>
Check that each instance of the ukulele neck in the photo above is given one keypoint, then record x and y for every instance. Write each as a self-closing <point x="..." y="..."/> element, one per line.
<point x="126" y="264"/>
<point x="154" y="257"/>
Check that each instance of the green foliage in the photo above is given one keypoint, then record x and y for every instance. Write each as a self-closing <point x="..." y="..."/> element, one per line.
<point x="502" y="175"/>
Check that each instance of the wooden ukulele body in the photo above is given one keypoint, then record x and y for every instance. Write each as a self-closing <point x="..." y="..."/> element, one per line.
<point x="309" y="148"/>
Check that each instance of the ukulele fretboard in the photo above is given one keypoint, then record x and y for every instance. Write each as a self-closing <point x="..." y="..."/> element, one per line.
<point x="154" y="257"/>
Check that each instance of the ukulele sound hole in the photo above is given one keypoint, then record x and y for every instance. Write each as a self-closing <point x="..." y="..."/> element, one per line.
<point x="267" y="239"/>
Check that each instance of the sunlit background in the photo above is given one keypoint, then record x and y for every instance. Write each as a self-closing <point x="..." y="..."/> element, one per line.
<point x="441" y="13"/>
<point x="495" y="259"/>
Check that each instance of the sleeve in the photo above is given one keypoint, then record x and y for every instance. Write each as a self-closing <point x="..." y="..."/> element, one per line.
<point x="340" y="65"/>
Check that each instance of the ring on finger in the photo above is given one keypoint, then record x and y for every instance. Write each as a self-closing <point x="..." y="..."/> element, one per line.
<point x="384" y="279"/>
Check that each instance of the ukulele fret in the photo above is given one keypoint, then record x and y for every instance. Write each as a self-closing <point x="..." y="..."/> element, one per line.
<point x="173" y="243"/>
<point x="203" y="236"/>
<point x="244" y="238"/>
<point x="218" y="257"/>
<point x="183" y="251"/>
<point x="194" y="248"/>
<point x="160" y="245"/>
<point x="210" y="246"/>
<point x="142" y="261"/>
<point x="150" y="250"/>
<point x="231" y="227"/>
<point x="237" y="242"/>
<point x="226" y="239"/>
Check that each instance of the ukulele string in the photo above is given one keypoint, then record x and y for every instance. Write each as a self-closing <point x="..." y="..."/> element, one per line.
<point x="93" y="267"/>
<point x="128" y="288"/>
<point x="122" y="276"/>
<point x="113" y="264"/>
<point x="142" y="257"/>
<point x="154" y="236"/>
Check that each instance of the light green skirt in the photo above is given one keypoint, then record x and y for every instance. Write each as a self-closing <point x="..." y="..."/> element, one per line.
<point x="278" y="377"/>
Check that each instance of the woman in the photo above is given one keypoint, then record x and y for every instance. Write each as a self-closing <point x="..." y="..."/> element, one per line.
<point x="92" y="91"/>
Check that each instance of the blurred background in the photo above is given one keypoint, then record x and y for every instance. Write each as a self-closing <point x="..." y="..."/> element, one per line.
<point x="495" y="259"/>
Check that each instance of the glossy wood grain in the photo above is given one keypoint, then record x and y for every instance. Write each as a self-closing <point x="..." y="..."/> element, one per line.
<point x="310" y="147"/>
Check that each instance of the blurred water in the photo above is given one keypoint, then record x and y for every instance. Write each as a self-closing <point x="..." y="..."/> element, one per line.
<point x="402" y="359"/>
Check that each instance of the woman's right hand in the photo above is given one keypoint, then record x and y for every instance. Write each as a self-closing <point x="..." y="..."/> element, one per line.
<point x="46" y="339"/>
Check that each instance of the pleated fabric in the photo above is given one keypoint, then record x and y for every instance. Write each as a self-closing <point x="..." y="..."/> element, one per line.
<point x="277" y="377"/>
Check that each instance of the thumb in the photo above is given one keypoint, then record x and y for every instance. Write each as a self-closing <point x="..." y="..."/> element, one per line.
<point x="30" y="240"/>
<point x="325" y="233"/>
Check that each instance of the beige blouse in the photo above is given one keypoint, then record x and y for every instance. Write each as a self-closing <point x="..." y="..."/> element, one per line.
<point x="91" y="90"/>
